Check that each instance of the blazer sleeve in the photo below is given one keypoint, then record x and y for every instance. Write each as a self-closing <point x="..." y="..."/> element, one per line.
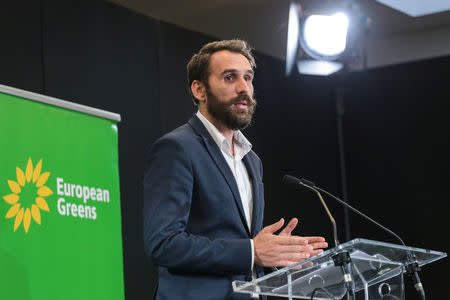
<point x="168" y="187"/>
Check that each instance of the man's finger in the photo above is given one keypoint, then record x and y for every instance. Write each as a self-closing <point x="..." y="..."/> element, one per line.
<point x="291" y="240"/>
<point x="275" y="226"/>
<point x="314" y="239"/>
<point x="315" y="252"/>
<point x="297" y="256"/>
<point x="289" y="227"/>
<point x="319" y="245"/>
<point x="295" y="248"/>
<point x="308" y="264"/>
<point x="293" y="256"/>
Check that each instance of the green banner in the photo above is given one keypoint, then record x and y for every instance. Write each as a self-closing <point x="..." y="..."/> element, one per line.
<point x="60" y="222"/>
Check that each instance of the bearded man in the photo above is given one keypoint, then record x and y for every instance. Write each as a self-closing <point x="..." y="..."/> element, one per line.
<point x="203" y="189"/>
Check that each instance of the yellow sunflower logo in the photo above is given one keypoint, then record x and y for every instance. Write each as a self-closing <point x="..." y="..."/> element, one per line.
<point x="28" y="195"/>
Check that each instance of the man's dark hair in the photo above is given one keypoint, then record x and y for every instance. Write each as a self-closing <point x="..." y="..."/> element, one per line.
<point x="198" y="66"/>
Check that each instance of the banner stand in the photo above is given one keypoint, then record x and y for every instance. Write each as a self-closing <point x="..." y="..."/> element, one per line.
<point x="60" y="212"/>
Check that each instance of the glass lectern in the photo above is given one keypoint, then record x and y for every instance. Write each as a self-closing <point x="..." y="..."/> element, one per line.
<point x="375" y="271"/>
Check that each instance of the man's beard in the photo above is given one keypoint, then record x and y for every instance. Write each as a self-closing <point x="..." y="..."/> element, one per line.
<point x="233" y="118"/>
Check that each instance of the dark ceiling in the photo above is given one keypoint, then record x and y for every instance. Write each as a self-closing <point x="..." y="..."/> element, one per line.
<point x="264" y="23"/>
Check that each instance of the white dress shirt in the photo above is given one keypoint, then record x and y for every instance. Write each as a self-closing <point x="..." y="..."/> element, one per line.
<point x="241" y="147"/>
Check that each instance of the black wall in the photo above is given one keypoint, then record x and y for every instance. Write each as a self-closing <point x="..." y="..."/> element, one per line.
<point x="397" y="144"/>
<point x="395" y="122"/>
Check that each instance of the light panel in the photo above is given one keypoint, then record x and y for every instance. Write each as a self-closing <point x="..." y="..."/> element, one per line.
<point x="326" y="35"/>
<point x="318" y="67"/>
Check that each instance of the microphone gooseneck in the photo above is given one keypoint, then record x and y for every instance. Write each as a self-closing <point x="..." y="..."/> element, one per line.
<point x="291" y="180"/>
<point x="412" y="267"/>
<point x="341" y="259"/>
<point x="361" y="214"/>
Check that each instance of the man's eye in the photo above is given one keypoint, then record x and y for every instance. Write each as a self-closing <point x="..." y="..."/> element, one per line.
<point x="229" y="77"/>
<point x="248" y="78"/>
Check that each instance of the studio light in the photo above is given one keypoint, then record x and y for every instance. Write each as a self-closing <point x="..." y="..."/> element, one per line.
<point x="320" y="44"/>
<point x="292" y="38"/>
<point x="325" y="37"/>
<point x="318" y="67"/>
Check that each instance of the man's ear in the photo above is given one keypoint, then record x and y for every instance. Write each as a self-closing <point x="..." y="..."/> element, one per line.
<point x="198" y="90"/>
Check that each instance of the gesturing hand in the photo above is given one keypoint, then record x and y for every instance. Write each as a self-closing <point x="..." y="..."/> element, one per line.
<point x="316" y="242"/>
<point x="284" y="249"/>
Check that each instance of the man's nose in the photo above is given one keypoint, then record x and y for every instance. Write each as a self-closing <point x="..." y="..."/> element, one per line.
<point x="243" y="86"/>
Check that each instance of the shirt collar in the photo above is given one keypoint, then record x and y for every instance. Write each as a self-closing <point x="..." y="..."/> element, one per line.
<point x="241" y="145"/>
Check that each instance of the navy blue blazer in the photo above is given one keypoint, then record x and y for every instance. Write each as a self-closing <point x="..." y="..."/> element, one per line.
<point x="194" y="223"/>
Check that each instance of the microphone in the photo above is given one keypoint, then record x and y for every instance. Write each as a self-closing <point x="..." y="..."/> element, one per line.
<point x="341" y="259"/>
<point x="412" y="267"/>
<point x="291" y="180"/>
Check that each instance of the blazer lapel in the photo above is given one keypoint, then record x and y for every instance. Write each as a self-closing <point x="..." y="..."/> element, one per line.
<point x="222" y="165"/>
<point x="257" y="198"/>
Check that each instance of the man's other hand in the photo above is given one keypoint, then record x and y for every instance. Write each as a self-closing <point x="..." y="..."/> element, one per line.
<point x="284" y="249"/>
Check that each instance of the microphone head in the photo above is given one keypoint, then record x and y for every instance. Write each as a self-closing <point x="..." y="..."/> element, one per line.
<point x="307" y="182"/>
<point x="291" y="180"/>
<point x="294" y="181"/>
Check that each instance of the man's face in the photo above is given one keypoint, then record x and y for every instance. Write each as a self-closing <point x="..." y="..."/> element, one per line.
<point x="230" y="90"/>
